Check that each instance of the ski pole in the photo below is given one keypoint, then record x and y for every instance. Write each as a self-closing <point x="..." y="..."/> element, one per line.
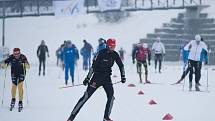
<point x="25" y="83"/>
<point x="81" y="85"/>
<point x="4" y="86"/>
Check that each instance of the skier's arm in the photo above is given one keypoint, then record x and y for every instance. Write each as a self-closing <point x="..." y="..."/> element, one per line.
<point x="25" y="61"/>
<point x="38" y="49"/>
<point x="91" y="70"/>
<point x="47" y="50"/>
<point x="188" y="46"/>
<point x="133" y="54"/>
<point x="121" y="66"/>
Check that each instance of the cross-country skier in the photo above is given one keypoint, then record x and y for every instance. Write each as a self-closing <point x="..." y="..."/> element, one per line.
<point x="159" y="51"/>
<point x="42" y="51"/>
<point x="86" y="52"/>
<point x="18" y="63"/>
<point x="101" y="46"/>
<point x="70" y="56"/>
<point x="141" y="54"/>
<point x="121" y="53"/>
<point x="203" y="59"/>
<point x="101" y="76"/>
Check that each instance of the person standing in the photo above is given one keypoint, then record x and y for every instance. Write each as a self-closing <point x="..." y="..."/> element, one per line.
<point x="86" y="52"/>
<point x="70" y="56"/>
<point x="121" y="53"/>
<point x="18" y="63"/>
<point x="159" y="51"/>
<point x="198" y="53"/>
<point x="100" y="72"/>
<point x="42" y="50"/>
<point x="141" y="54"/>
<point x="101" y="46"/>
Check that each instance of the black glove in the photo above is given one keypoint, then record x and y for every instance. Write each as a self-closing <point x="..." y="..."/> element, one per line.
<point x="123" y="79"/>
<point x="133" y="61"/>
<point x="206" y="62"/>
<point x="149" y="63"/>
<point x="86" y="81"/>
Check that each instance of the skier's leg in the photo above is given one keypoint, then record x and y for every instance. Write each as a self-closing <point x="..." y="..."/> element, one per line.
<point x="72" y="71"/>
<point x="155" y="62"/>
<point x="160" y="62"/>
<point x="197" y="75"/>
<point x="13" y="92"/>
<point x="139" y="70"/>
<point x="40" y="61"/>
<point x="66" y="73"/>
<point x="110" y="98"/>
<point x="190" y="74"/>
<point x="14" y="86"/>
<point x="44" y="66"/>
<point x="88" y="93"/>
<point x="146" y="72"/>
<point x="20" y="89"/>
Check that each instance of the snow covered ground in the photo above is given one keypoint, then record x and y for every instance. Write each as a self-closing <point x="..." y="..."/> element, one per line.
<point x="49" y="103"/>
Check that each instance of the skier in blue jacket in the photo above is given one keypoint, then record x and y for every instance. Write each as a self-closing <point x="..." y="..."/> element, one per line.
<point x="70" y="55"/>
<point x="86" y="52"/>
<point x="101" y="46"/>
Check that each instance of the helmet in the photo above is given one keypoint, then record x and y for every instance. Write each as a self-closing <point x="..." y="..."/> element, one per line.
<point x="198" y="37"/>
<point x="111" y="42"/>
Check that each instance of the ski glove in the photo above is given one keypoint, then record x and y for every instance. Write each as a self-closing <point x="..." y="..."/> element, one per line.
<point x="86" y="81"/>
<point x="123" y="79"/>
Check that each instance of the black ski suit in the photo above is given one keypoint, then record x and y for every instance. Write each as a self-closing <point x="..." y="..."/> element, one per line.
<point x="17" y="68"/>
<point x="41" y="54"/>
<point x="101" y="70"/>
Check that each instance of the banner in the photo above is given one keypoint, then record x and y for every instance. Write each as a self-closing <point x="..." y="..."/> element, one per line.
<point x="109" y="4"/>
<point x="69" y="7"/>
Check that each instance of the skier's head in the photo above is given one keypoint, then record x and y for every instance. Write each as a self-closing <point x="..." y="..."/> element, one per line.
<point x="158" y="39"/>
<point x="111" y="43"/>
<point x="68" y="43"/>
<point x="101" y="40"/>
<point x="197" y="38"/>
<point x="145" y="45"/>
<point x="42" y="42"/>
<point x="139" y="44"/>
<point x="84" y="41"/>
<point x="16" y="52"/>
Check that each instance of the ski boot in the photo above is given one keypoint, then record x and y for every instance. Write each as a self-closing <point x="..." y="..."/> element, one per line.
<point x="197" y="87"/>
<point x="12" y="104"/>
<point x="20" y="106"/>
<point x="107" y="119"/>
<point x="147" y="82"/>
